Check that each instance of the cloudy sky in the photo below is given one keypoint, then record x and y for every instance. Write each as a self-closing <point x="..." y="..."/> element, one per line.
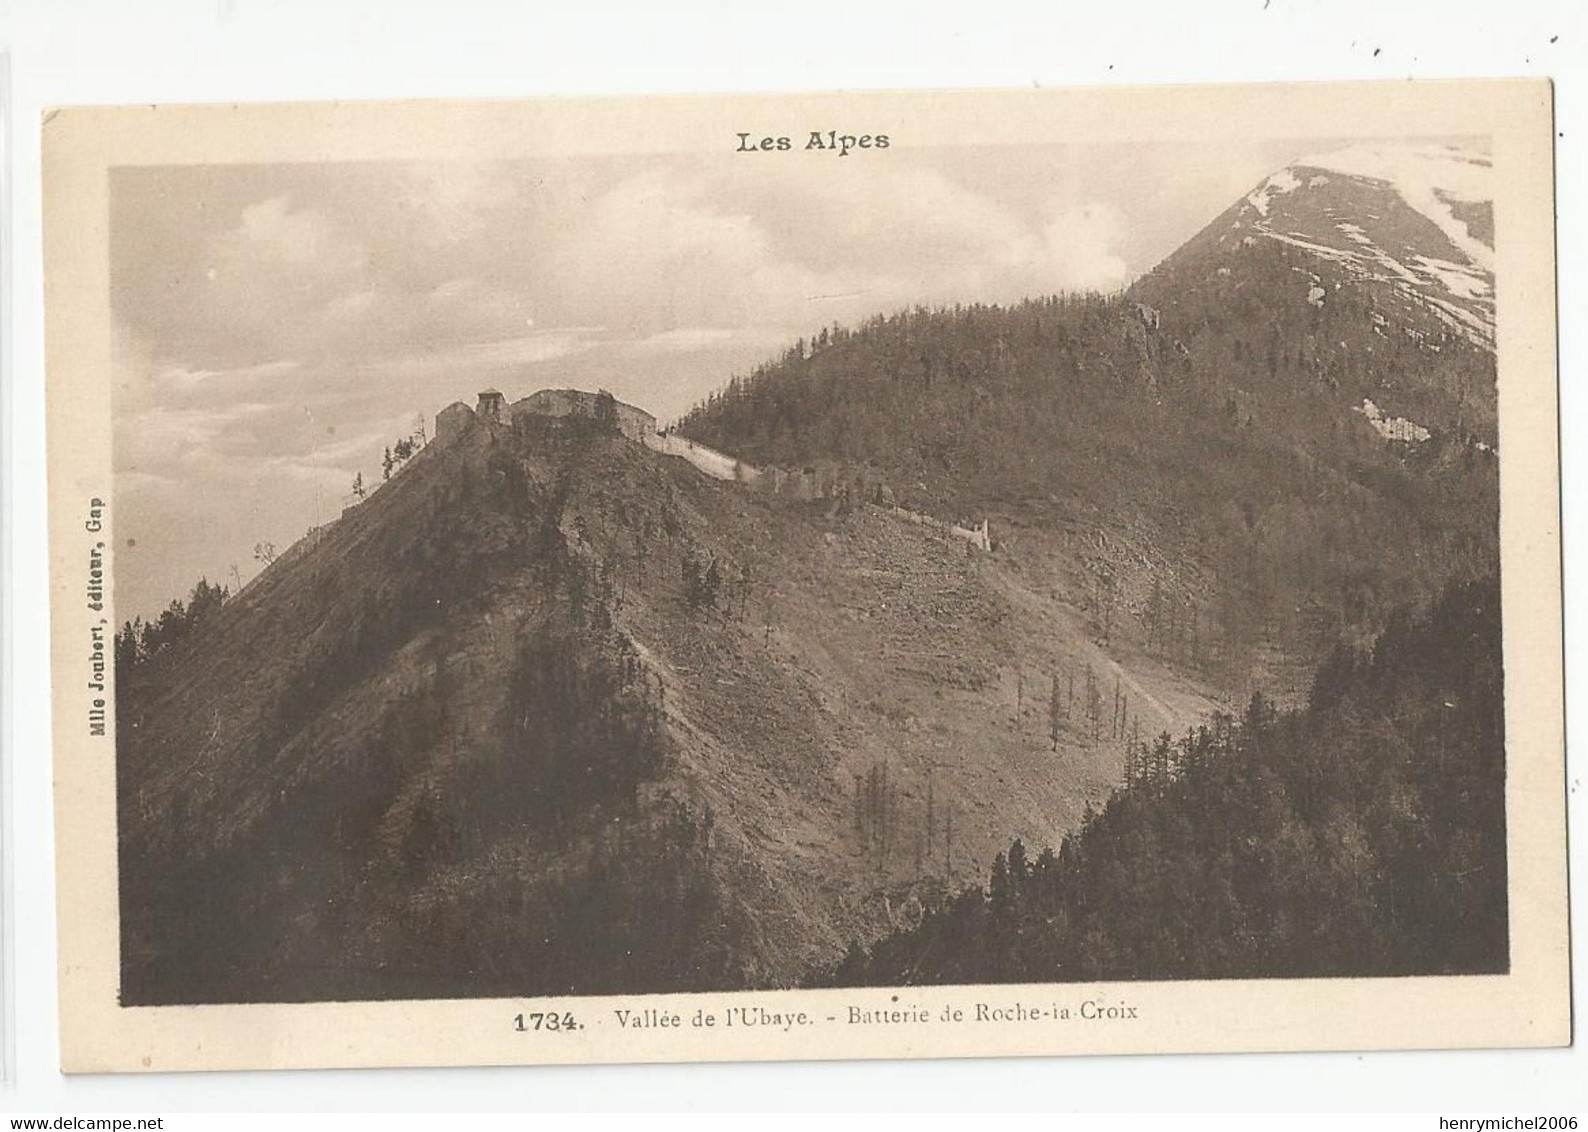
<point x="277" y="326"/>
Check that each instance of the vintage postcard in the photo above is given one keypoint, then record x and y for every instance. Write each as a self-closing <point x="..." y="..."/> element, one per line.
<point x="830" y="576"/>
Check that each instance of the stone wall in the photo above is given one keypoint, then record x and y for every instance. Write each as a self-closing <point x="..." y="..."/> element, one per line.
<point x="636" y="424"/>
<point x="715" y="464"/>
<point x="977" y="536"/>
<point x="824" y="480"/>
<point x="453" y="420"/>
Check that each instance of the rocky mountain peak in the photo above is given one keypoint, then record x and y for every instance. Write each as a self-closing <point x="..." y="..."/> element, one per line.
<point x="1417" y="220"/>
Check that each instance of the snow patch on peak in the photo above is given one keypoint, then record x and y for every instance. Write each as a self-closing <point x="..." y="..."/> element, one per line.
<point x="1352" y="232"/>
<point x="1450" y="279"/>
<point x="1427" y="178"/>
<point x="1460" y="280"/>
<point x="1281" y="182"/>
<point x="1393" y="428"/>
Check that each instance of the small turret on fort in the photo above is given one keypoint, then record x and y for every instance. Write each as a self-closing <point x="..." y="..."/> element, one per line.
<point x="491" y="405"/>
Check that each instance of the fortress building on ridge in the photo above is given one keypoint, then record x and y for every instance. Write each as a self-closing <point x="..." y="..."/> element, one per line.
<point x="822" y="480"/>
<point x="636" y="424"/>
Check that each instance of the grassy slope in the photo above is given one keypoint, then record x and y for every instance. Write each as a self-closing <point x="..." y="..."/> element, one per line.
<point x="886" y="646"/>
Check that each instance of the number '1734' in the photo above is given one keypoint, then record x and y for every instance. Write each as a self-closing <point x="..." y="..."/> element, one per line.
<point x="545" y="1021"/>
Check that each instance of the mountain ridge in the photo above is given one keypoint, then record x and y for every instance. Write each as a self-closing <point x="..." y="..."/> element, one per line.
<point x="555" y="712"/>
<point x="1415" y="223"/>
<point x="434" y="699"/>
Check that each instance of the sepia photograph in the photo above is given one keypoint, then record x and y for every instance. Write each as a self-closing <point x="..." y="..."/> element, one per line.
<point x="833" y="555"/>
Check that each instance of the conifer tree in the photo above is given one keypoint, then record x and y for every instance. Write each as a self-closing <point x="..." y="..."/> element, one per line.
<point x="1055" y="712"/>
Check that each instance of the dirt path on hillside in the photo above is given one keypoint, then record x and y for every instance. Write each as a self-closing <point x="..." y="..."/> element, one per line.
<point x="1134" y="685"/>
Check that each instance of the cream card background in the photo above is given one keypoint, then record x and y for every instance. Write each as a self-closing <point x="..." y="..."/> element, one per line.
<point x="243" y="59"/>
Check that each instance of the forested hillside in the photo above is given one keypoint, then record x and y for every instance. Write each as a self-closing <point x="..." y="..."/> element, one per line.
<point x="1363" y="834"/>
<point x="1210" y="450"/>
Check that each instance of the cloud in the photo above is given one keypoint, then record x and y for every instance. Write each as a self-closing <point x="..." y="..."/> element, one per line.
<point x="165" y="435"/>
<point x="363" y="265"/>
<point x="1079" y="248"/>
<point x="683" y="339"/>
<point x="183" y="381"/>
<point x="648" y="257"/>
<point x="332" y="481"/>
<point x="677" y="247"/>
<point x="453" y="201"/>
<point x="273" y="231"/>
<point x="340" y="452"/>
<point x="471" y="360"/>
